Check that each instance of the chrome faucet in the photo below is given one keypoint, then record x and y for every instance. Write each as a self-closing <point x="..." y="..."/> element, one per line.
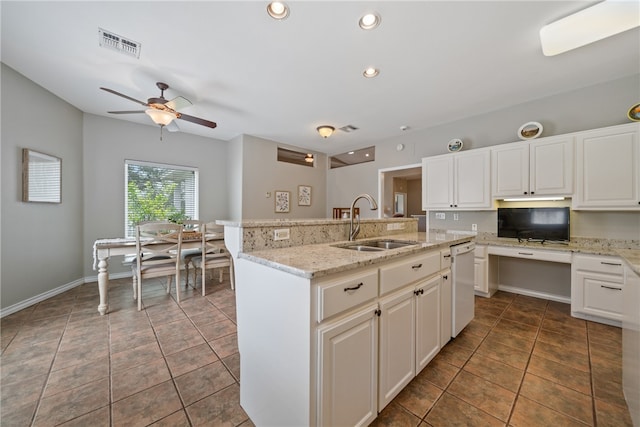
<point x="353" y="232"/>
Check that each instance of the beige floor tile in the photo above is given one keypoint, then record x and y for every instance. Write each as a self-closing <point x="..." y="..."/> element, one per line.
<point x="394" y="415"/>
<point x="77" y="375"/>
<point x="490" y="397"/>
<point x="562" y="355"/>
<point x="225" y="346"/>
<point x="146" y="407"/>
<point x="418" y="397"/>
<point x="204" y="381"/>
<point x="561" y="374"/>
<point x="610" y="415"/>
<point x="70" y="404"/>
<point x="221" y="408"/>
<point x="190" y="359"/>
<point x="98" y="418"/>
<point x="439" y="373"/>
<point x="215" y="330"/>
<point x="451" y="411"/>
<point x="495" y="371"/>
<point x="502" y="353"/>
<point x="528" y="413"/>
<point x="141" y="377"/>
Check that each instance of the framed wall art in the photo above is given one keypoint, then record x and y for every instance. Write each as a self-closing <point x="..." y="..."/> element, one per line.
<point x="304" y="195"/>
<point x="41" y="177"/>
<point x="282" y="202"/>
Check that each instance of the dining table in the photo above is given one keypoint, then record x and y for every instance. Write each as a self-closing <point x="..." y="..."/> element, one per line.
<point x="103" y="249"/>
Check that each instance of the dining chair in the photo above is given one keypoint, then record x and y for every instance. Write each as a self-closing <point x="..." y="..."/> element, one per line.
<point x="213" y="255"/>
<point x="190" y="225"/>
<point x="158" y="246"/>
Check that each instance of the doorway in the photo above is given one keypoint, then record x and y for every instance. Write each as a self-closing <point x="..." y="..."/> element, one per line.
<point x="400" y="192"/>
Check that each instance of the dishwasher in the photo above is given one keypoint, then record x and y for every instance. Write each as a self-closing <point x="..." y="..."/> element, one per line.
<point x="463" y="295"/>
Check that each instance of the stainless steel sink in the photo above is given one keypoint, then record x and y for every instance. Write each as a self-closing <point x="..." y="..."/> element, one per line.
<point x="377" y="245"/>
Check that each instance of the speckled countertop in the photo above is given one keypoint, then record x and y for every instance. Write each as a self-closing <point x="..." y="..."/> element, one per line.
<point x="632" y="258"/>
<point x="312" y="261"/>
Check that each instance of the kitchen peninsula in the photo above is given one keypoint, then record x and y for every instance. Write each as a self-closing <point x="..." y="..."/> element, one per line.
<point x="316" y="320"/>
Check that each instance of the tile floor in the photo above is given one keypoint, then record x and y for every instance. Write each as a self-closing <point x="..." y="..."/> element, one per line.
<point x="521" y="362"/>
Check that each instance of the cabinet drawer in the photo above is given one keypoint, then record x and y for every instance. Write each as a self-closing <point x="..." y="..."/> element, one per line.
<point x="445" y="259"/>
<point x="528" y="253"/>
<point x="603" y="298"/>
<point x="401" y="273"/>
<point x="346" y="292"/>
<point x="600" y="264"/>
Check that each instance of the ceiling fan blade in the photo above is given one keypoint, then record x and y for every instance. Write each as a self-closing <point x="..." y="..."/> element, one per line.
<point x="197" y="120"/>
<point x="178" y="103"/>
<point x="172" y="127"/>
<point x="124" y="96"/>
<point x="125" y="112"/>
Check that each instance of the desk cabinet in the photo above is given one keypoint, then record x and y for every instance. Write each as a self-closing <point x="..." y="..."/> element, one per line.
<point x="596" y="287"/>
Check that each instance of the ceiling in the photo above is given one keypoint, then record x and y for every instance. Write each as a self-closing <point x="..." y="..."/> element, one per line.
<point x="439" y="61"/>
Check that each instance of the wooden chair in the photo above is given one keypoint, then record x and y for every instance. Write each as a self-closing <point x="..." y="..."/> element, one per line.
<point x="213" y="255"/>
<point x="187" y="254"/>
<point x="158" y="256"/>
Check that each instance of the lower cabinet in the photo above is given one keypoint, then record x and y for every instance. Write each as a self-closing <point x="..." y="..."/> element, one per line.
<point x="596" y="288"/>
<point x="348" y="389"/>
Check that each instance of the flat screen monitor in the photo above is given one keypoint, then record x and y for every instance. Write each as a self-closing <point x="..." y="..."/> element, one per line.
<point x="534" y="223"/>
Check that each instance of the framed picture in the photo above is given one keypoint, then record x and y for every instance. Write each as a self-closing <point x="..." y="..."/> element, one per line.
<point x="41" y="177"/>
<point x="304" y="195"/>
<point x="282" y="201"/>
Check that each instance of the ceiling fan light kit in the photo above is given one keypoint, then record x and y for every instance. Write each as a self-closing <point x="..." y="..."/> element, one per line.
<point x="160" y="117"/>
<point x="325" y="131"/>
<point x="589" y="25"/>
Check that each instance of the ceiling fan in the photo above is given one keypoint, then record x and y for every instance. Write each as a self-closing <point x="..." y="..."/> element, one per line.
<point x="162" y="111"/>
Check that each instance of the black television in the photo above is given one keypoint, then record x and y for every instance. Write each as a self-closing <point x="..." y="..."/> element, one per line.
<point x="534" y="223"/>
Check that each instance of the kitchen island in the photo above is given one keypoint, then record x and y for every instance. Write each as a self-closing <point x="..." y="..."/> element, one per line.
<point x="328" y="335"/>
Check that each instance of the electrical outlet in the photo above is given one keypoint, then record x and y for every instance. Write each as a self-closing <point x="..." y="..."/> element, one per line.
<point x="267" y="194"/>
<point x="474" y="227"/>
<point x="281" y="234"/>
<point x="440" y="215"/>
<point x="456" y="217"/>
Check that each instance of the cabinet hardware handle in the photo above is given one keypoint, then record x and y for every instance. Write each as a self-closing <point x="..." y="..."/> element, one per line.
<point x="525" y="192"/>
<point x="447" y="256"/>
<point x="358" y="286"/>
<point x="611" y="263"/>
<point x="525" y="253"/>
<point x="378" y="312"/>
<point x="415" y="267"/>
<point x="611" y="287"/>
<point x="445" y="277"/>
<point x="419" y="292"/>
<point x="533" y="192"/>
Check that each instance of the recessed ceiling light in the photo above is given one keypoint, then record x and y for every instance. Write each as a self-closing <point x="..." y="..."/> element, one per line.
<point x="371" y="72"/>
<point x="369" y="21"/>
<point x="278" y="10"/>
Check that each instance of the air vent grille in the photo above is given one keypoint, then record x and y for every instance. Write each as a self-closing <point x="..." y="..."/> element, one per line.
<point x="113" y="41"/>
<point x="348" y="128"/>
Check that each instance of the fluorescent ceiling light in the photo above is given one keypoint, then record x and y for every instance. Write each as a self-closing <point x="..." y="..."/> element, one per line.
<point x="590" y="25"/>
<point x="532" y="199"/>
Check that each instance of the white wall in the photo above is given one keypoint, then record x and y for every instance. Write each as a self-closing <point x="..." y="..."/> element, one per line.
<point x="263" y="173"/>
<point x="109" y="142"/>
<point x="235" y="172"/>
<point x="41" y="243"/>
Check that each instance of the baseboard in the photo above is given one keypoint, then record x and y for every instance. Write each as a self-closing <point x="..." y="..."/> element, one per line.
<point x="53" y="292"/>
<point x="536" y="294"/>
<point x="598" y="319"/>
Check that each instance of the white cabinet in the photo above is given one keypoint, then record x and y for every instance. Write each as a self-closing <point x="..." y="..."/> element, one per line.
<point x="536" y="168"/>
<point x="428" y="321"/>
<point x="347" y="394"/>
<point x="608" y="168"/>
<point x="596" y="288"/>
<point x="446" y="310"/>
<point x="631" y="343"/>
<point x="457" y="181"/>
<point x="397" y="344"/>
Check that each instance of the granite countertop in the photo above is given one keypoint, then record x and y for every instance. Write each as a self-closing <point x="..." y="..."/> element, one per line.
<point x="632" y="258"/>
<point x="312" y="261"/>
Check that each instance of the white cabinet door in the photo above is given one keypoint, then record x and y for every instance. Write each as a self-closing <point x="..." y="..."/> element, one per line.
<point x="472" y="179"/>
<point x="437" y="183"/>
<point x="480" y="283"/>
<point x="428" y="321"/>
<point x="551" y="167"/>
<point x="457" y="181"/>
<point x="445" y="309"/>
<point x="397" y="344"/>
<point x="510" y="170"/>
<point x="608" y="168"/>
<point x="347" y="385"/>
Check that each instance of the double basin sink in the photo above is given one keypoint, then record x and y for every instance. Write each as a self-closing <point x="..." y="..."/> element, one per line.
<point x="377" y="245"/>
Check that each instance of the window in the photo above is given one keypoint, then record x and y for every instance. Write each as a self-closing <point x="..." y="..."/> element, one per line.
<point x="156" y="192"/>
<point x="353" y="157"/>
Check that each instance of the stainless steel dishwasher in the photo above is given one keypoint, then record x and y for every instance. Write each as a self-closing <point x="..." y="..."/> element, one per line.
<point x="463" y="296"/>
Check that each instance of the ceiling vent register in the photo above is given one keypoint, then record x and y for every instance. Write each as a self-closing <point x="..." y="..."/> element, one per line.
<point x="118" y="43"/>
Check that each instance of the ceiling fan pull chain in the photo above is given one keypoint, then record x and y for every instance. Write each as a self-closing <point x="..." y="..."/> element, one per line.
<point x="161" y="132"/>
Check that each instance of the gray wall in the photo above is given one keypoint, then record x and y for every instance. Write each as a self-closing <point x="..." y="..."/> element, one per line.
<point x="109" y="142"/>
<point x="41" y="243"/>
<point x="263" y="173"/>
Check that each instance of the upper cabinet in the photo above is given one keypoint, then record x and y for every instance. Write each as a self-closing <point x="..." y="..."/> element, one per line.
<point x="608" y="168"/>
<point x="457" y="181"/>
<point x="534" y="168"/>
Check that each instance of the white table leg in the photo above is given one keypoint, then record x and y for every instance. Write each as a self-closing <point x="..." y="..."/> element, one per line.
<point x="103" y="285"/>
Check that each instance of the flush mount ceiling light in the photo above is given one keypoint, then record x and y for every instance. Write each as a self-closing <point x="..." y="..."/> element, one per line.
<point x="325" y="131"/>
<point x="278" y="10"/>
<point x="160" y="117"/>
<point x="589" y="25"/>
<point x="371" y="72"/>
<point x="308" y="158"/>
<point x="369" y="21"/>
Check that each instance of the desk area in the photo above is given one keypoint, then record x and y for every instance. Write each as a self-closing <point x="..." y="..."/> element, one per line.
<point x="104" y="249"/>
